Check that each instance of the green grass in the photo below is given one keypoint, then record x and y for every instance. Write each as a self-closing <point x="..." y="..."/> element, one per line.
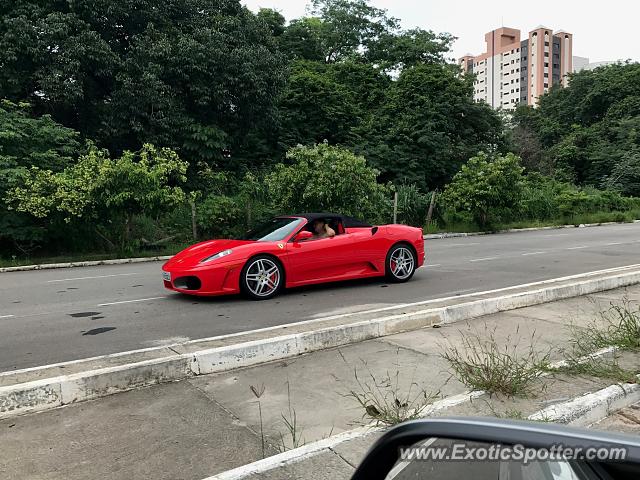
<point x="619" y="327"/>
<point x="89" y="256"/>
<point x="496" y="366"/>
<point x="601" y="368"/>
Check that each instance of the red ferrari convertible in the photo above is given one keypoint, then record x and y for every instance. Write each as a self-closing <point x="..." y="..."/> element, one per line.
<point x="296" y="250"/>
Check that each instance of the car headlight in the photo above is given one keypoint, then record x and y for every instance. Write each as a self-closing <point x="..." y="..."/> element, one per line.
<point x="224" y="253"/>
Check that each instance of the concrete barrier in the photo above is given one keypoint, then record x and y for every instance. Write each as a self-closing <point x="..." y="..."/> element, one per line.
<point x="582" y="411"/>
<point x="171" y="364"/>
<point x="88" y="263"/>
<point x="588" y="409"/>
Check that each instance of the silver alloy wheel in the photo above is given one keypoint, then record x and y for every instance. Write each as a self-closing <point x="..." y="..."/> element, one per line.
<point x="263" y="277"/>
<point x="401" y="263"/>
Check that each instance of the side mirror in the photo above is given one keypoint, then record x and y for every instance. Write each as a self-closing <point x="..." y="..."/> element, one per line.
<point x="488" y="449"/>
<point x="302" y="236"/>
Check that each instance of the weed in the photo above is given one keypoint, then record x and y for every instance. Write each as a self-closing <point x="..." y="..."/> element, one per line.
<point x="618" y="327"/>
<point x="383" y="400"/>
<point x="483" y="363"/>
<point x="294" y="431"/>
<point x="258" y="392"/>
<point x="600" y="368"/>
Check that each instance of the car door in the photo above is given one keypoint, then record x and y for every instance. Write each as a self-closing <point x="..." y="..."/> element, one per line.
<point x="314" y="261"/>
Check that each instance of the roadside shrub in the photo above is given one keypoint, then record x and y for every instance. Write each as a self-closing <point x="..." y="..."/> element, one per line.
<point x="328" y="178"/>
<point x="221" y="216"/>
<point x="413" y="205"/>
<point x="485" y="185"/>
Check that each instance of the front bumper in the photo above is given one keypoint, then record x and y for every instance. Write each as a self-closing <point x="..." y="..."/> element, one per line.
<point x="210" y="280"/>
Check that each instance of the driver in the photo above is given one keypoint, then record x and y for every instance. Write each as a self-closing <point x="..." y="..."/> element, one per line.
<point x="322" y="230"/>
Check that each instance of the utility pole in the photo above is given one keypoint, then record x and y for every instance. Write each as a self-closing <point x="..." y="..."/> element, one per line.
<point x="395" y="207"/>
<point x="431" y="205"/>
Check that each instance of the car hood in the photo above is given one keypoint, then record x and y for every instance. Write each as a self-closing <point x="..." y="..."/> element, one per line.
<point x="191" y="256"/>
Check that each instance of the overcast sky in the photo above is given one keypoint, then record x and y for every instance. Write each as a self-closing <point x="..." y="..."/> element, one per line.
<point x="603" y="30"/>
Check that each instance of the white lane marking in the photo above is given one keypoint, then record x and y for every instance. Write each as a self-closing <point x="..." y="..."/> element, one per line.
<point x="90" y="278"/>
<point x="131" y="301"/>
<point x="324" y="319"/>
<point x="461" y="244"/>
<point x="6" y="316"/>
<point x="486" y="259"/>
<point x="557" y="235"/>
<point x="577" y="248"/>
<point x="434" y="265"/>
<point x="532" y="253"/>
<point x="614" y="243"/>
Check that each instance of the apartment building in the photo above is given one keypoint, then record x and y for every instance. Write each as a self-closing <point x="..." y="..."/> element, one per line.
<point x="516" y="71"/>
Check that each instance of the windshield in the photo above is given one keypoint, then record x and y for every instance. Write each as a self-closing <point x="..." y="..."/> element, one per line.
<point x="274" y="230"/>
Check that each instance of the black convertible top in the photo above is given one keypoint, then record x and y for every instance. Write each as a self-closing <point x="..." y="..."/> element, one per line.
<point x="347" y="222"/>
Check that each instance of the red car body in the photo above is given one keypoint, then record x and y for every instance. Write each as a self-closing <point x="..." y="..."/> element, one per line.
<point x="356" y="251"/>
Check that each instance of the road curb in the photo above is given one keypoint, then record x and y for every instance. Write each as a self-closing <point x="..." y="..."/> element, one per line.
<point x="328" y="444"/>
<point x="182" y="361"/>
<point x="436" y="236"/>
<point x="88" y="263"/>
<point x="590" y="408"/>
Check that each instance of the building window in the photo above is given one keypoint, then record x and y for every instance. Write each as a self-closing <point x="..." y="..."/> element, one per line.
<point x="546" y="85"/>
<point x="546" y="54"/>
<point x="546" y="75"/>
<point x="546" y="64"/>
<point x="546" y="44"/>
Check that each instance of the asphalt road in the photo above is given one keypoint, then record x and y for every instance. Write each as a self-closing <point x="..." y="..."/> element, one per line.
<point x="49" y="316"/>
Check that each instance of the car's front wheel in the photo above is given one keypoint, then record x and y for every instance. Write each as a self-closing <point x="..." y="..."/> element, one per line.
<point x="262" y="278"/>
<point x="401" y="263"/>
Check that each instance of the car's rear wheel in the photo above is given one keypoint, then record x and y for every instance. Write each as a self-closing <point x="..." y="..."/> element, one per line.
<point x="262" y="277"/>
<point x="401" y="263"/>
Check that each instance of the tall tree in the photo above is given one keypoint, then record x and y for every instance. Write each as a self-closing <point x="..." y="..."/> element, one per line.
<point x="428" y="126"/>
<point x="27" y="142"/>
<point x="349" y="26"/>
<point x="589" y="128"/>
<point x="195" y="74"/>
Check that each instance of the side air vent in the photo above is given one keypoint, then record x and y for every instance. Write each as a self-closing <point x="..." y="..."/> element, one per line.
<point x="374" y="230"/>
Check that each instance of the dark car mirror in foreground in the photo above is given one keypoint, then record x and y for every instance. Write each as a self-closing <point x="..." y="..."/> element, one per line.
<point x="489" y="448"/>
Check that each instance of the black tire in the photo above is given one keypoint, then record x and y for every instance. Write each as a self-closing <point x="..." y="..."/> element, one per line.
<point x="401" y="275"/>
<point x="251" y="281"/>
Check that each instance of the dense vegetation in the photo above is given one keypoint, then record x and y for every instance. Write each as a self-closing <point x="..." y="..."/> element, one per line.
<point x="129" y="124"/>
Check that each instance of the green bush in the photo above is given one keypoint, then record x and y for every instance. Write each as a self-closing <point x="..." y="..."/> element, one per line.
<point x="328" y="178"/>
<point x="220" y="216"/>
<point x="413" y="205"/>
<point x="486" y="187"/>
